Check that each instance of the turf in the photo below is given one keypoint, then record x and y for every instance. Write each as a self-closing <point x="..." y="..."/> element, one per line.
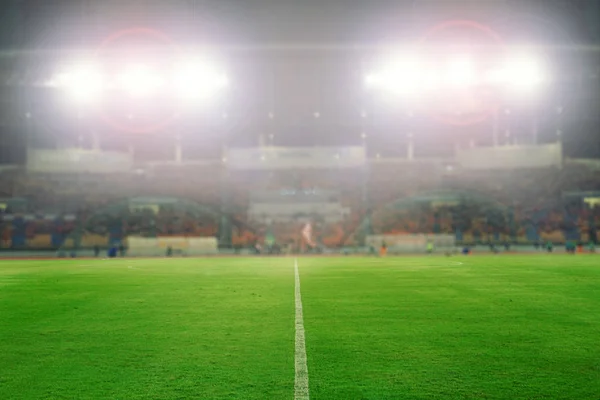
<point x="172" y="329"/>
<point x="485" y="327"/>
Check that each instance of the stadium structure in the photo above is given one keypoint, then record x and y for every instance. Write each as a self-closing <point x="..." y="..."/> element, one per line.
<point x="478" y="130"/>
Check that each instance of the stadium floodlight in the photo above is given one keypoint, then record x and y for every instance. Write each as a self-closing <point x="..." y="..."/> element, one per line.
<point x="84" y="83"/>
<point x="431" y="80"/>
<point x="402" y="76"/>
<point x="525" y="72"/>
<point x="519" y="73"/>
<point x="140" y="81"/>
<point x="196" y="79"/>
<point x="460" y="72"/>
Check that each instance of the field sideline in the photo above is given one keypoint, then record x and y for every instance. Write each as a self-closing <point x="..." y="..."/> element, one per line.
<point x="484" y="327"/>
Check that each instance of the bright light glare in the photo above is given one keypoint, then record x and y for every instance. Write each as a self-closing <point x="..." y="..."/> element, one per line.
<point x="402" y="76"/>
<point x="410" y="76"/>
<point x="431" y="80"/>
<point x="140" y="81"/>
<point x="194" y="79"/>
<point x="525" y="72"/>
<point x="460" y="72"/>
<point x="519" y="73"/>
<point x="84" y="83"/>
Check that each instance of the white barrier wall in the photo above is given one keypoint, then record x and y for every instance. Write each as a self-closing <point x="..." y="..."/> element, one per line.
<point x="412" y="243"/>
<point x="511" y="157"/>
<point x="78" y="161"/>
<point x="155" y="247"/>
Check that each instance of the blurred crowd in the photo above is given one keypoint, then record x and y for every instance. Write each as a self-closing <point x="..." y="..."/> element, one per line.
<point x="46" y="210"/>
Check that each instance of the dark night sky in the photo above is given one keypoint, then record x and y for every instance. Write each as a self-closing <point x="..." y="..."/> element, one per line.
<point x="294" y="58"/>
<point x="277" y="21"/>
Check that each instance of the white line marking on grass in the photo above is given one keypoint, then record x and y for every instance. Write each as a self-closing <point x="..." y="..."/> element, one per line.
<point x="456" y="262"/>
<point x="130" y="267"/>
<point x="301" y="376"/>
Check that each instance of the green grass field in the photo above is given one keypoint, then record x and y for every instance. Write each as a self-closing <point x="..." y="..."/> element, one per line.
<point x="483" y="327"/>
